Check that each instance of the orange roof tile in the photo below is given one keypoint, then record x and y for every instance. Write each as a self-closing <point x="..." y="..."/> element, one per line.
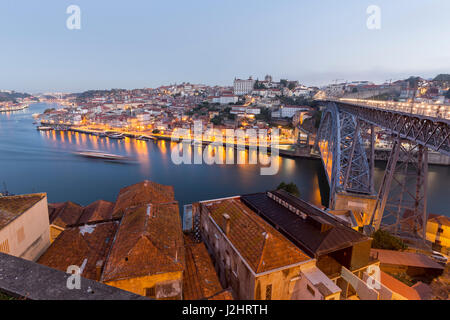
<point x="200" y="280"/>
<point x="98" y="211"/>
<point x="441" y="220"/>
<point x="224" y="295"/>
<point x="398" y="287"/>
<point x="410" y="259"/>
<point x="263" y="247"/>
<point x="149" y="241"/>
<point x="63" y="215"/>
<point x="81" y="246"/>
<point x="13" y="206"/>
<point x="141" y="194"/>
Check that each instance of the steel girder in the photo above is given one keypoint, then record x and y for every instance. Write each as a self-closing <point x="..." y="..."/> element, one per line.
<point x="340" y="143"/>
<point x="430" y="132"/>
<point x="401" y="206"/>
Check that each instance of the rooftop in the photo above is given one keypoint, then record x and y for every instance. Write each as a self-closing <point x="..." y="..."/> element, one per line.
<point x="141" y="194"/>
<point x="399" y="287"/>
<point x="262" y="247"/>
<point x="64" y="214"/>
<point x="200" y="279"/>
<point x="410" y="259"/>
<point x="85" y="246"/>
<point x="12" y="207"/>
<point x="315" y="231"/>
<point x="98" y="211"/>
<point x="149" y="241"/>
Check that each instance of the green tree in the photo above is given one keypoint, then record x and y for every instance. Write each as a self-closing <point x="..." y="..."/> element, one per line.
<point x="384" y="240"/>
<point x="156" y="131"/>
<point x="447" y="94"/>
<point x="289" y="187"/>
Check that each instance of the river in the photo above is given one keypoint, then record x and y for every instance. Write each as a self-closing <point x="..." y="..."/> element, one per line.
<point x="33" y="161"/>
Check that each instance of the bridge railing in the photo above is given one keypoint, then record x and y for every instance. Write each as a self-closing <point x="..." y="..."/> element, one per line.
<point x="422" y="109"/>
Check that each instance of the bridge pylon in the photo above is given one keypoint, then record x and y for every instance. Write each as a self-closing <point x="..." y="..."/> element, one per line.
<point x="401" y="206"/>
<point x="346" y="145"/>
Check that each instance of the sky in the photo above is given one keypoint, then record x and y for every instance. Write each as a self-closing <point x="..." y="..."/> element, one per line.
<point x="137" y="43"/>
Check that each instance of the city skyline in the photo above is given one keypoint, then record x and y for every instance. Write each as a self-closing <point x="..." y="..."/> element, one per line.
<point x="151" y="44"/>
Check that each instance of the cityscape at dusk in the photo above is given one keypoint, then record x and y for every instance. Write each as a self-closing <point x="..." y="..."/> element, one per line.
<point x="225" y="154"/>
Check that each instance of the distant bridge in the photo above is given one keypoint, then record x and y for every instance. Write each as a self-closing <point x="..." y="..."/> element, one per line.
<point x="346" y="141"/>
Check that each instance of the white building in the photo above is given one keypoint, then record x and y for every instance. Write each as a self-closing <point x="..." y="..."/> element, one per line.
<point x="24" y="226"/>
<point x="225" y="99"/>
<point x="288" y="111"/>
<point x="243" y="87"/>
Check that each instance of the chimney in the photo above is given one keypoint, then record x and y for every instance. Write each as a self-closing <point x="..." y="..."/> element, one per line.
<point x="99" y="269"/>
<point x="226" y="224"/>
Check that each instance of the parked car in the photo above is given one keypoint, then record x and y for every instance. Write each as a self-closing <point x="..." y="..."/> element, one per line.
<point x="438" y="257"/>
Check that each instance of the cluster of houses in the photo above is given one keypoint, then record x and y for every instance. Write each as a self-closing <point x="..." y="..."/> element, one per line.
<point x="262" y="246"/>
<point x="178" y="106"/>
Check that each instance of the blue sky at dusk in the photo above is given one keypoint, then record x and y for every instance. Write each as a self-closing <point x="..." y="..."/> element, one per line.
<point x="136" y="43"/>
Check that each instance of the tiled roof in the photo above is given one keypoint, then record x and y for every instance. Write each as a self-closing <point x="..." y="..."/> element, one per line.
<point x="149" y="241"/>
<point x="13" y="206"/>
<point x="398" y="287"/>
<point x="306" y="233"/>
<point x="262" y="247"/>
<point x="97" y="211"/>
<point x="441" y="220"/>
<point x="65" y="214"/>
<point x="224" y="295"/>
<point x="140" y="194"/>
<point x="200" y="279"/>
<point x="410" y="259"/>
<point x="81" y="246"/>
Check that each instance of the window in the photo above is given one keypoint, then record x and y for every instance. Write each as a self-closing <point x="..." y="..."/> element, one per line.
<point x="150" y="292"/>
<point x="269" y="292"/>
<point x="311" y="290"/>
<point x="4" y="246"/>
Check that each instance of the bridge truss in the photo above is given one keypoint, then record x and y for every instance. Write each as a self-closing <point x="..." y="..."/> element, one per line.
<point x="346" y="141"/>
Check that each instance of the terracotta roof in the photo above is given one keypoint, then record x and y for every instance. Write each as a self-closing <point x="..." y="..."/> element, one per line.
<point x="98" y="211"/>
<point x="398" y="287"/>
<point x="262" y="247"/>
<point x="140" y="194"/>
<point x="65" y="214"/>
<point x="149" y="241"/>
<point x="442" y="220"/>
<point x="425" y="292"/>
<point x="409" y="259"/>
<point x="200" y="278"/>
<point x="85" y="245"/>
<point x="13" y="206"/>
<point x="224" y="295"/>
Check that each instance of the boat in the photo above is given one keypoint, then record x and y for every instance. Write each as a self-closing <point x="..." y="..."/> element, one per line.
<point x="100" y="155"/>
<point x="44" y="128"/>
<point x="117" y="136"/>
<point x="145" y="138"/>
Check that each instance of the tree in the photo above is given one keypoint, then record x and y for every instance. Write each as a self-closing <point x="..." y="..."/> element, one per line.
<point x="447" y="94"/>
<point x="291" y="85"/>
<point x="384" y="240"/>
<point x="156" y="131"/>
<point x="290" y="187"/>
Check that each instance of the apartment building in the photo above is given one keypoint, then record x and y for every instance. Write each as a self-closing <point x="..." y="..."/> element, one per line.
<point x="254" y="259"/>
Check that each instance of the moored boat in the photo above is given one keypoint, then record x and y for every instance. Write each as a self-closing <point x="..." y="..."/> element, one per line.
<point x="44" y="128"/>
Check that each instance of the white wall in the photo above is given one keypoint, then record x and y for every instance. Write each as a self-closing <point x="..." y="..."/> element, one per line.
<point x="29" y="234"/>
